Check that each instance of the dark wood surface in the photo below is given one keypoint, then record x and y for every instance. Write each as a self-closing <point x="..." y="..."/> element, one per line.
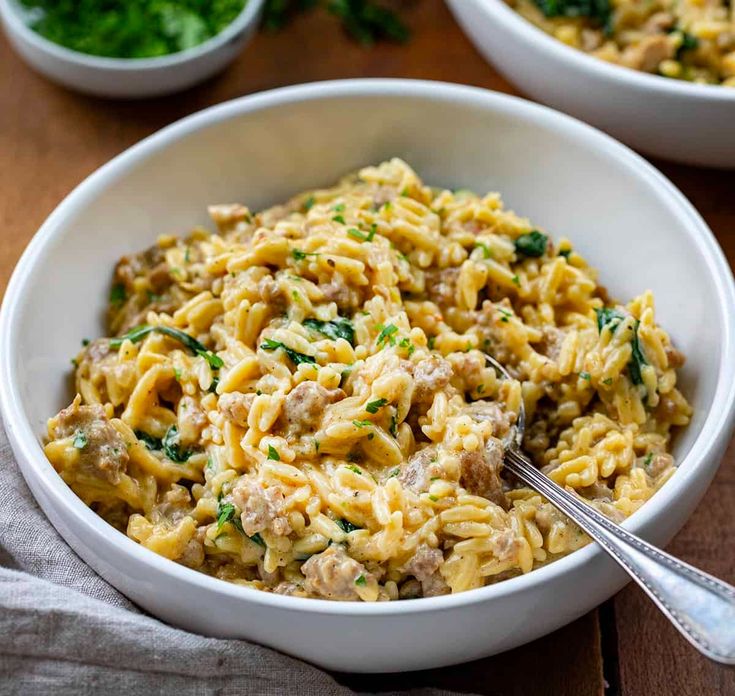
<point x="50" y="139"/>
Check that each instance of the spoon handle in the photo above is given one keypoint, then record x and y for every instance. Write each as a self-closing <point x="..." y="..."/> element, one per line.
<point x="700" y="606"/>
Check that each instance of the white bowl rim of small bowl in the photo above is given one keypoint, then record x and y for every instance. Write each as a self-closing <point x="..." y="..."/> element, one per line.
<point x="25" y="437"/>
<point x="14" y="16"/>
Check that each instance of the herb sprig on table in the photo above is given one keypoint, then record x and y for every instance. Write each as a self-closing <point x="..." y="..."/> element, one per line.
<point x="366" y="21"/>
<point x="131" y="28"/>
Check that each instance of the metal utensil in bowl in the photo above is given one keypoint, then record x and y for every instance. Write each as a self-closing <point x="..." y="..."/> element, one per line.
<point x="700" y="606"/>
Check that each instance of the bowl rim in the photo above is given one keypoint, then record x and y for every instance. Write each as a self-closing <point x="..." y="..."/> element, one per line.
<point x="11" y="15"/>
<point x="597" y="68"/>
<point x="713" y="435"/>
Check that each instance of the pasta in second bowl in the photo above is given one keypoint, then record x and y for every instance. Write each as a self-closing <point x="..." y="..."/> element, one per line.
<point x="300" y="402"/>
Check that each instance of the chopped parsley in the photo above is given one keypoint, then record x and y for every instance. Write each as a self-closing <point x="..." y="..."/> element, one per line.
<point x="516" y="280"/>
<point x="340" y="327"/>
<point x="585" y="375"/>
<point x="150" y="442"/>
<point x="301" y="255"/>
<point x="532" y="244"/>
<point x="213" y="385"/>
<point x="339" y="208"/>
<point x="361" y="236"/>
<point x="362" y="423"/>
<point x="688" y="43"/>
<point x="172" y="448"/>
<point x="637" y="358"/>
<point x="393" y="427"/>
<point x="139" y="333"/>
<point x="361" y="581"/>
<point x="308" y="204"/>
<point x="295" y="357"/>
<point x="373" y="406"/>
<point x="607" y="381"/>
<point x="566" y="253"/>
<point x="118" y="294"/>
<point x="485" y="250"/>
<point x="354" y="468"/>
<point x="395" y="472"/>
<point x="80" y="440"/>
<point x="346" y="526"/>
<point x="609" y="317"/>
<point x="647" y="460"/>
<point x="273" y="454"/>
<point x="386" y="334"/>
<point x="85" y="342"/>
<point x="431" y="342"/>
<point x="227" y="512"/>
<point x="339" y="219"/>
<point x="598" y="10"/>
<point x="256" y="538"/>
<point x="433" y="499"/>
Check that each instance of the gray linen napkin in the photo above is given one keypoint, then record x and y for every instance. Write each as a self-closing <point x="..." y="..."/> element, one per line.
<point x="67" y="631"/>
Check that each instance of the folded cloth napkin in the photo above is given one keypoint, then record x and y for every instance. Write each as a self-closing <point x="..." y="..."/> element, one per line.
<point x="67" y="631"/>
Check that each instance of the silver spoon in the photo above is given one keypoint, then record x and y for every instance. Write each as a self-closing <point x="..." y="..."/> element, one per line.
<point x="700" y="606"/>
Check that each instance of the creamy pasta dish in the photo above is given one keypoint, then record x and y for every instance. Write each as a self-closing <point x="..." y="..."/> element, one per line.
<point x="690" y="40"/>
<point x="300" y="402"/>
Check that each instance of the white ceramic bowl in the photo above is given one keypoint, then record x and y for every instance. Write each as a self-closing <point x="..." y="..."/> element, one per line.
<point x="619" y="211"/>
<point x="672" y="119"/>
<point x="128" y="78"/>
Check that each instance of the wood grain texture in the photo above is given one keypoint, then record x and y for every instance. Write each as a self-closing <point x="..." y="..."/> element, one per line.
<point x="50" y="139"/>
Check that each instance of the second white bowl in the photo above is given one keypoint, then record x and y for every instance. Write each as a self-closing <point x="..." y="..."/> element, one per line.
<point x="671" y="119"/>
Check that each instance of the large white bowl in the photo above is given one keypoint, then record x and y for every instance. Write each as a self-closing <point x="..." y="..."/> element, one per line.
<point x="620" y="212"/>
<point x="127" y="78"/>
<point x="672" y="119"/>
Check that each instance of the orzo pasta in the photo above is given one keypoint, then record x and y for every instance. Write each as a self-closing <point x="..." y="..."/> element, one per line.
<point x="690" y="40"/>
<point x="300" y="402"/>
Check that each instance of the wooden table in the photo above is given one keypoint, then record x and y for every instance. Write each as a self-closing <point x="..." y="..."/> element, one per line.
<point x="50" y="139"/>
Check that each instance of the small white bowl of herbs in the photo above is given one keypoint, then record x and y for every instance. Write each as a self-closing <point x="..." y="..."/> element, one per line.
<point x="129" y="48"/>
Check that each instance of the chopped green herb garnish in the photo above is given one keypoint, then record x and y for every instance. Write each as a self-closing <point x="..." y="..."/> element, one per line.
<point x="361" y="581"/>
<point x="316" y="445"/>
<point x="354" y="468"/>
<point x="346" y="526"/>
<point x="585" y="375"/>
<point x="598" y="10"/>
<point x="485" y="250"/>
<point x="566" y="253"/>
<point x="386" y="334"/>
<point x="516" y="280"/>
<point x="395" y="472"/>
<point x="131" y="28"/>
<point x="172" y="448"/>
<point x="187" y="254"/>
<point x="647" y="461"/>
<point x="393" y="427"/>
<point x="256" y="538"/>
<point x="688" y="43"/>
<point x="480" y="388"/>
<point x="295" y="357"/>
<point x="637" y="358"/>
<point x="339" y="219"/>
<point x="139" y="333"/>
<point x="339" y="208"/>
<point x="151" y="443"/>
<point x="532" y="244"/>
<point x="213" y="385"/>
<point x="118" y="294"/>
<point x="309" y="203"/>
<point x="362" y="423"/>
<point x="607" y="381"/>
<point x="85" y="342"/>
<point x="301" y="255"/>
<point x="361" y="236"/>
<point x="406" y="343"/>
<point x="433" y="499"/>
<point x="340" y="327"/>
<point x="609" y="317"/>
<point x="431" y="342"/>
<point x="80" y="440"/>
<point x="273" y="454"/>
<point x="505" y="314"/>
<point x="373" y="406"/>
